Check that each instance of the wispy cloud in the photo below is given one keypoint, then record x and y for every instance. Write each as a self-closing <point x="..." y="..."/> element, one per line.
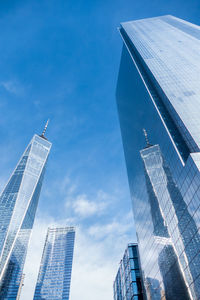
<point x="102" y="234"/>
<point x="83" y="205"/>
<point x="85" y="208"/>
<point x="13" y="87"/>
<point x="99" y="231"/>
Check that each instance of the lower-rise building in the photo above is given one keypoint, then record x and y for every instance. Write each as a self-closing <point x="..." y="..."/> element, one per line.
<point x="54" y="277"/>
<point x="128" y="282"/>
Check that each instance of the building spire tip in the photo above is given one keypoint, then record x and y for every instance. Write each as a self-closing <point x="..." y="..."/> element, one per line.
<point x="146" y="138"/>
<point x="45" y="128"/>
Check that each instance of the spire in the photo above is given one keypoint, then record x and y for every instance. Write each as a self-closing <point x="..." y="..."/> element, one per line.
<point x="45" y="128"/>
<point x="146" y="138"/>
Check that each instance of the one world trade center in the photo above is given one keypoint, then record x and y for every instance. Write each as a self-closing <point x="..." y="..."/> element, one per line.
<point x="18" y="204"/>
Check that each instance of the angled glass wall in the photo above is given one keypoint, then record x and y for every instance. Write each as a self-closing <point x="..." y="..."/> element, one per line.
<point x="54" y="276"/>
<point x="158" y="89"/>
<point x="18" y="204"/>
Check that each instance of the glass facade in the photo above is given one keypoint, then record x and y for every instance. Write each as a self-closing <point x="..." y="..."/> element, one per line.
<point x="18" y="204"/>
<point x="54" y="277"/>
<point x="127" y="284"/>
<point x="158" y="89"/>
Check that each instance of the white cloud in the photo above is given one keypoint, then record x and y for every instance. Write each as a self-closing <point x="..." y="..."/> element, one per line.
<point x="99" y="244"/>
<point x="85" y="208"/>
<point x="102" y="231"/>
<point x="81" y="204"/>
<point x="96" y="262"/>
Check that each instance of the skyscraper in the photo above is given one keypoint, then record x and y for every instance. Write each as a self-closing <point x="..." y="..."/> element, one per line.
<point x="18" y="204"/>
<point x="127" y="284"/>
<point x="158" y="88"/>
<point x="159" y="231"/>
<point x="54" y="277"/>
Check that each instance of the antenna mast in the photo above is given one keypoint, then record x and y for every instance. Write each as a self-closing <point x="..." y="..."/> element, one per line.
<point x="45" y="128"/>
<point x="146" y="138"/>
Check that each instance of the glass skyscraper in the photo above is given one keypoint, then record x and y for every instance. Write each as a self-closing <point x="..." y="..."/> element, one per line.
<point x="54" y="277"/>
<point x="127" y="284"/>
<point x="158" y="88"/>
<point x="18" y="204"/>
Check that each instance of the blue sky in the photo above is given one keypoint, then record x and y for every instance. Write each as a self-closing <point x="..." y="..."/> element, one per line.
<point x="60" y="60"/>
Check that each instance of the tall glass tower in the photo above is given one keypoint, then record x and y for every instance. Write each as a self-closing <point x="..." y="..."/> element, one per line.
<point x="158" y="88"/>
<point x="54" y="276"/>
<point x="127" y="284"/>
<point x="18" y="204"/>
